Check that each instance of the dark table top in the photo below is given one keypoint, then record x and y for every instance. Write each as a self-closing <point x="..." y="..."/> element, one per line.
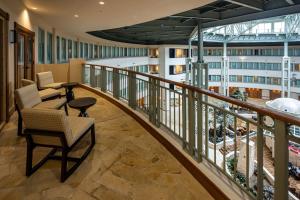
<point x="72" y="84"/>
<point x="83" y="102"/>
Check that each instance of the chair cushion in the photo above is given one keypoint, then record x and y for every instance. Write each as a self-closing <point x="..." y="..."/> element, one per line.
<point x="52" y="85"/>
<point x="44" y="78"/>
<point x="26" y="82"/>
<point x="55" y="120"/>
<point x="48" y="93"/>
<point x="79" y="125"/>
<point x="27" y="97"/>
<point x="51" y="104"/>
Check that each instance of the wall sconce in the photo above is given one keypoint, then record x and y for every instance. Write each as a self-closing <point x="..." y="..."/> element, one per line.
<point x="12" y="36"/>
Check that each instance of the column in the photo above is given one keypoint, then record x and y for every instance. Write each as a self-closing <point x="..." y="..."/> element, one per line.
<point x="189" y="63"/>
<point x="286" y="73"/>
<point x="200" y="69"/>
<point x="225" y="72"/>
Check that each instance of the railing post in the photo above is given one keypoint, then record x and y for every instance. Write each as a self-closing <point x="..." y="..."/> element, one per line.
<point x="92" y="76"/>
<point x="184" y="127"/>
<point x="154" y="101"/>
<point x="191" y="124"/>
<point x="281" y="160"/>
<point x="103" y="76"/>
<point x="152" y="97"/>
<point x="158" y="102"/>
<point x="259" y="152"/>
<point x="199" y="126"/>
<point x="132" y="89"/>
<point x="116" y="83"/>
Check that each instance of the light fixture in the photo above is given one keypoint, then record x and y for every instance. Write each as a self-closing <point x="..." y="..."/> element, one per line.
<point x="76" y="16"/>
<point x="101" y="2"/>
<point x="34" y="8"/>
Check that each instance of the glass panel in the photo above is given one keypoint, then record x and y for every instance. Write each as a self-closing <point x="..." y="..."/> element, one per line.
<point x="41" y="46"/>
<point x="70" y="52"/>
<point x="58" y="49"/>
<point x="29" y="62"/>
<point x="20" y="59"/>
<point x="49" y="47"/>
<point x="63" y="50"/>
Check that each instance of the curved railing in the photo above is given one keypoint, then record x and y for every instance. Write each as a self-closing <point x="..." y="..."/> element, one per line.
<point x="251" y="152"/>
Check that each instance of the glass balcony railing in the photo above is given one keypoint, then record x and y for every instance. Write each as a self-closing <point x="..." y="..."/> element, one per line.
<point x="255" y="147"/>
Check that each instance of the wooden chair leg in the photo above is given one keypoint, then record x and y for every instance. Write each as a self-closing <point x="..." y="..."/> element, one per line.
<point x="93" y="137"/>
<point x="29" y="157"/>
<point x="64" y="166"/>
<point x="66" y="109"/>
<point x="20" y="125"/>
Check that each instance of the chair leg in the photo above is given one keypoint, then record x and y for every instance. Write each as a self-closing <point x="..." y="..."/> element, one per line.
<point x="93" y="137"/>
<point x="66" y="109"/>
<point x="64" y="166"/>
<point x="29" y="157"/>
<point x="20" y="125"/>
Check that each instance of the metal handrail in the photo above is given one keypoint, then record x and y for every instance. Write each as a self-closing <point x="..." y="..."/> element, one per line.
<point x="259" y="109"/>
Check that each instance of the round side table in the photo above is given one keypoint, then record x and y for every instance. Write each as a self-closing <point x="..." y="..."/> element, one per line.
<point x="83" y="104"/>
<point x="69" y="90"/>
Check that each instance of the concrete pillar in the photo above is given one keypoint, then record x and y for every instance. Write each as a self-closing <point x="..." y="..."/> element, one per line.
<point x="189" y="63"/>
<point x="225" y="72"/>
<point x="286" y="72"/>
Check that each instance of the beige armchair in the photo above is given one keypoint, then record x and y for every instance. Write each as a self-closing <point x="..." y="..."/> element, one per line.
<point x="45" y="80"/>
<point x="53" y="129"/>
<point x="45" y="94"/>
<point x="28" y="97"/>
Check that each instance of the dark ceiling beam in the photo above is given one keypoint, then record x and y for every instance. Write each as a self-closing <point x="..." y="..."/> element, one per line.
<point x="290" y="2"/>
<point x="254" y="16"/>
<point x="252" y="4"/>
<point x="198" y="18"/>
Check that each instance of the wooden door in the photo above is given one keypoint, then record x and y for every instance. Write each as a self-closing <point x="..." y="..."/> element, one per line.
<point x="4" y="114"/>
<point x="24" y="55"/>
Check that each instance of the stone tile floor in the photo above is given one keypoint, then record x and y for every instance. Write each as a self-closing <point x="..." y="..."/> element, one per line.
<point x="126" y="163"/>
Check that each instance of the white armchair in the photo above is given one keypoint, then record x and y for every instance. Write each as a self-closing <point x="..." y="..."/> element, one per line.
<point x="45" y="80"/>
<point x="28" y="97"/>
<point x="45" y="94"/>
<point x="53" y="129"/>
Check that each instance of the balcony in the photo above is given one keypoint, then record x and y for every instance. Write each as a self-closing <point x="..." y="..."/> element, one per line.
<point x="251" y="154"/>
<point x="126" y="163"/>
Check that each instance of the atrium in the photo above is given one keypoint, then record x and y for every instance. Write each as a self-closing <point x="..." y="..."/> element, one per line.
<point x="161" y="99"/>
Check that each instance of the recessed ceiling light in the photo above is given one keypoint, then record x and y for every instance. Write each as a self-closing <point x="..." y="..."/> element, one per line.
<point x="34" y="8"/>
<point x="76" y="16"/>
<point x="101" y="2"/>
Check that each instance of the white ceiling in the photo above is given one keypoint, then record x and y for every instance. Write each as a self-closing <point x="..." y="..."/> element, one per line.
<point x="113" y="14"/>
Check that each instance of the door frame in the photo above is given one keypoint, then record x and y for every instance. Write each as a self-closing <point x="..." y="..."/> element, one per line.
<point x="4" y="76"/>
<point x="19" y="28"/>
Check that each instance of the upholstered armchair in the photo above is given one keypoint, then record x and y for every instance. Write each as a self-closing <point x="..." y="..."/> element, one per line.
<point x="45" y="94"/>
<point x="45" y="80"/>
<point x="53" y="129"/>
<point x="28" y="97"/>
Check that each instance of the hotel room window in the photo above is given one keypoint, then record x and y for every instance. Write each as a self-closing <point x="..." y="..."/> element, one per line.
<point x="117" y="53"/>
<point x="108" y="52"/>
<point x="49" y="48"/>
<point x="70" y="49"/>
<point x="75" y="49"/>
<point x="90" y="51"/>
<point x="100" y="51"/>
<point x="41" y="46"/>
<point x="86" y="51"/>
<point x="113" y="52"/>
<point x="95" y="51"/>
<point x="81" y="50"/>
<point x="63" y="50"/>
<point x="58" y="49"/>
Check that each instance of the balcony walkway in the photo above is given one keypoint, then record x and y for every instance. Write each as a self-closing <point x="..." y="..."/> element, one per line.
<point x="126" y="163"/>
